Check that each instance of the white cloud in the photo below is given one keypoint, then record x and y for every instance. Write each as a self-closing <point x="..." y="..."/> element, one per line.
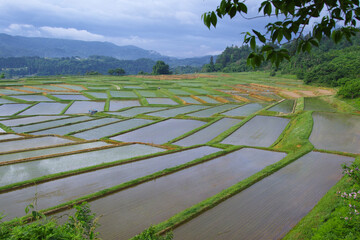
<point x="52" y="32"/>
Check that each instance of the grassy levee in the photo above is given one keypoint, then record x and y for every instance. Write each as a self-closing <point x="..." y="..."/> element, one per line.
<point x="296" y="134"/>
<point x="142" y="99"/>
<point x="6" y="128"/>
<point x="300" y="105"/>
<point x="67" y="107"/>
<point x="211" y="202"/>
<point x="128" y="184"/>
<point x="107" y="102"/>
<point x="322" y="212"/>
<point x="91" y="97"/>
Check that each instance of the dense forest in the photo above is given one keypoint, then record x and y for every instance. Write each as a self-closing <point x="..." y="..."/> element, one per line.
<point x="330" y="64"/>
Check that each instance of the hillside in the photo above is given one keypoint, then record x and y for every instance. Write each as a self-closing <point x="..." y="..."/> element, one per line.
<point x="17" y="46"/>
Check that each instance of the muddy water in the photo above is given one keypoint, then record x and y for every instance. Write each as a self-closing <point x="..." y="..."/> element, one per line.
<point x="31" y="143"/>
<point x="76" y="127"/>
<point x="284" y="107"/>
<point x="62" y="190"/>
<point x="316" y="104"/>
<point x="138" y="110"/>
<point x="176" y="111"/>
<point x="208" y="133"/>
<point x="42" y="125"/>
<point x="111" y="129"/>
<point x="85" y="106"/>
<point x="28" y="170"/>
<point x="129" y="212"/>
<point x="261" y="131"/>
<point x="190" y="100"/>
<point x="45" y="108"/>
<point x="211" y="111"/>
<point x="28" y="120"/>
<point x="161" y="132"/>
<point x="271" y="207"/>
<point x="12" y="108"/>
<point x="48" y="151"/>
<point x="117" y="105"/>
<point x="246" y="109"/>
<point x="336" y="131"/>
<point x="167" y="101"/>
<point x="34" y="98"/>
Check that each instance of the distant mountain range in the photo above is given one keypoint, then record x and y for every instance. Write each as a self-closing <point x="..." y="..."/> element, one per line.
<point x="17" y="46"/>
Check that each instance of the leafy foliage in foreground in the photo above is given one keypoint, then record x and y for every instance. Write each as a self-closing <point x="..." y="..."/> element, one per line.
<point x="344" y="222"/>
<point x="292" y="18"/>
<point x="80" y="226"/>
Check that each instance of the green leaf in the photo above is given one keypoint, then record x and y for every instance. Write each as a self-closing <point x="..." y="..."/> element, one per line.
<point x="253" y="43"/>
<point x="267" y="48"/>
<point x="267" y="9"/>
<point x="260" y="36"/>
<point x="213" y="19"/>
<point x="232" y="11"/>
<point x="242" y="7"/>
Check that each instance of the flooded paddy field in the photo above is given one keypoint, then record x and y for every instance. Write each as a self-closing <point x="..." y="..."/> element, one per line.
<point x="28" y="170"/>
<point x="245" y="110"/>
<point x="182" y="146"/>
<point x="160" y="133"/>
<point x="31" y="143"/>
<point x="208" y="133"/>
<point x="284" y="107"/>
<point x="261" y="131"/>
<point x="12" y="108"/>
<point x="132" y="210"/>
<point x="345" y="127"/>
<point x="269" y="208"/>
<point x="69" y="188"/>
<point x="49" y="124"/>
<point x="112" y="129"/>
<point x="45" y="108"/>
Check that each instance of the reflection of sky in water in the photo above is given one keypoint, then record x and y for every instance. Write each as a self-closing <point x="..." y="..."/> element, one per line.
<point x="335" y="131"/>
<point x="28" y="170"/>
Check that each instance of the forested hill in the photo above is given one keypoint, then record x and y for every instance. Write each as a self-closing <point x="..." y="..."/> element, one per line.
<point x="24" y="66"/>
<point x="331" y="64"/>
<point x="16" y="46"/>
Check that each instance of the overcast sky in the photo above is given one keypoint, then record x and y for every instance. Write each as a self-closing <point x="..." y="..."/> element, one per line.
<point x="170" y="27"/>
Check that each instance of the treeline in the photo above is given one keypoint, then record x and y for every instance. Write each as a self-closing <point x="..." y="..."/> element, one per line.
<point x="327" y="65"/>
<point x="24" y="66"/>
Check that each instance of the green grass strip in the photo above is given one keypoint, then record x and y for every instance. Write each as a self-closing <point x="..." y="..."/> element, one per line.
<point x="107" y="104"/>
<point x="6" y="128"/>
<point x="297" y="133"/>
<point x="142" y="99"/>
<point x="67" y="107"/>
<point x="300" y="104"/>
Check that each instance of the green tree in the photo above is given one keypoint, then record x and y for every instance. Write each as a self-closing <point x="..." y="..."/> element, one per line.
<point x="2" y="76"/>
<point x="161" y="68"/>
<point x="293" y="16"/>
<point x="111" y="71"/>
<point x="351" y="89"/>
<point x="119" y="71"/>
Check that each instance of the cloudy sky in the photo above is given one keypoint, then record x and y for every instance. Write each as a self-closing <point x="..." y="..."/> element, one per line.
<point x="170" y="27"/>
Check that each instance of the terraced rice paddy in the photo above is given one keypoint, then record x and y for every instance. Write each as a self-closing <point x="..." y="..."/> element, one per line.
<point x="345" y="127"/>
<point x="11" y="109"/>
<point x="261" y="131"/>
<point x="33" y="98"/>
<point x="165" y="131"/>
<point x="172" y="148"/>
<point x="45" y="108"/>
<point x="245" y="110"/>
<point x="271" y="207"/>
<point x="80" y="185"/>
